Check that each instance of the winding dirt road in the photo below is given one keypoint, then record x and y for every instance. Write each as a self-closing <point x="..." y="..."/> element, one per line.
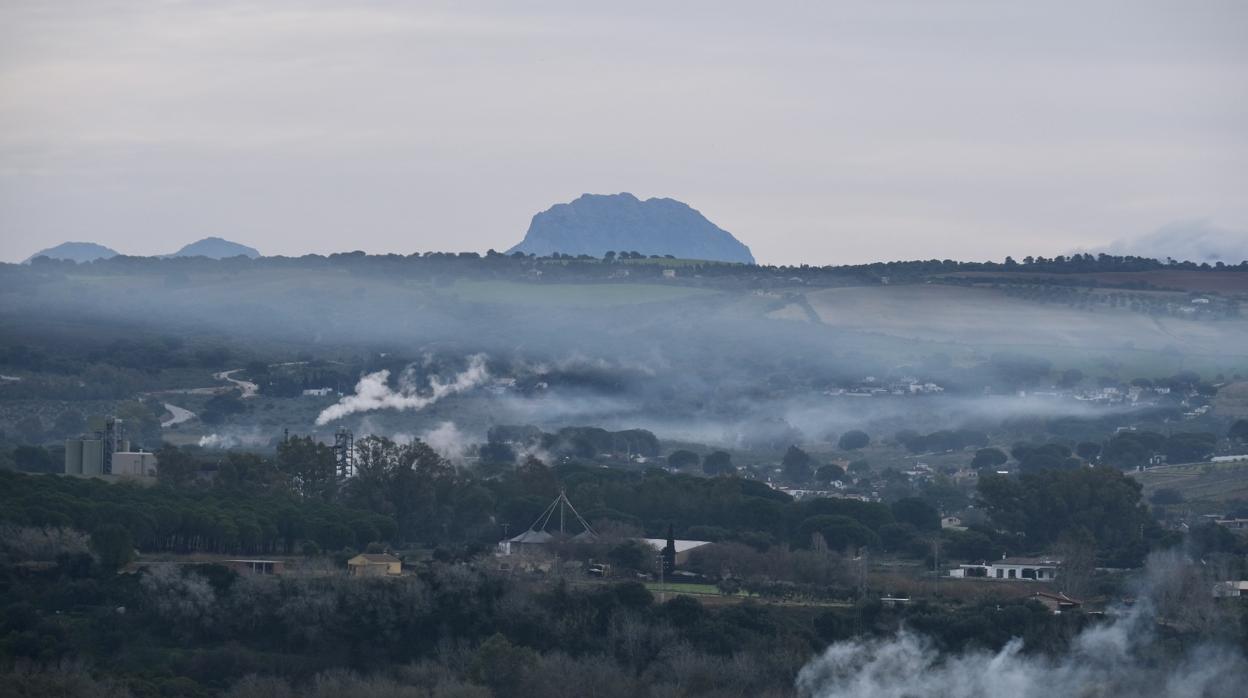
<point x="180" y="415"/>
<point x="249" y="389"/>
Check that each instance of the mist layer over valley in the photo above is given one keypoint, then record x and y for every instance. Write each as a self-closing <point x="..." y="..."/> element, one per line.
<point x="848" y="460"/>
<point x="700" y="354"/>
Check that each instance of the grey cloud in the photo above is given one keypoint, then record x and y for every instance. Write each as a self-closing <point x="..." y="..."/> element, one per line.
<point x="1194" y="240"/>
<point x="834" y="132"/>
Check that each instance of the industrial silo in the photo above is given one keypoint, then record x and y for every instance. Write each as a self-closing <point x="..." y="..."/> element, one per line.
<point x="92" y="457"/>
<point x="73" y="456"/>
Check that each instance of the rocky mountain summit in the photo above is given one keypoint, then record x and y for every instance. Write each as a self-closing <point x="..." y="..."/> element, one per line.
<point x="597" y="223"/>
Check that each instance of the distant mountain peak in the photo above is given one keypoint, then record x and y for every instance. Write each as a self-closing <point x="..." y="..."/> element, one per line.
<point x="75" y="252"/>
<point x="216" y="248"/>
<point x="596" y="223"/>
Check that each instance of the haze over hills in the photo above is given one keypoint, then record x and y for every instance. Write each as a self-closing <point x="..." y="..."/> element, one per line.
<point x="597" y="223"/>
<point x="216" y="248"/>
<point x="75" y="252"/>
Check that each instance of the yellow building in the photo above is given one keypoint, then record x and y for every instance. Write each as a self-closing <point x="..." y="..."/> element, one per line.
<point x="374" y="565"/>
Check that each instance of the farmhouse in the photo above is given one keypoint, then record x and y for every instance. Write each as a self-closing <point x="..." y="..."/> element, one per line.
<point x="1010" y="569"/>
<point x="374" y="565"/>
<point x="1236" y="525"/>
<point x="1232" y="589"/>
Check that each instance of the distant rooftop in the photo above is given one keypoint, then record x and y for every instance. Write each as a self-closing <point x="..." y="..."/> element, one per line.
<point x="681" y="545"/>
<point x="377" y="557"/>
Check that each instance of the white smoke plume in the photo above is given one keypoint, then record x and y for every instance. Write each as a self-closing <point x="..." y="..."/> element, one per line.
<point x="373" y="392"/>
<point x="1119" y="658"/>
<point x="234" y="438"/>
<point x="446" y="438"/>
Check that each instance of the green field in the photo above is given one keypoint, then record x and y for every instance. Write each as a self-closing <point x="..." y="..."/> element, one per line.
<point x="683" y="588"/>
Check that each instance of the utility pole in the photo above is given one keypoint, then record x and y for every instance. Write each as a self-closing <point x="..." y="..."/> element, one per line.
<point x="862" y="572"/>
<point x="662" y="578"/>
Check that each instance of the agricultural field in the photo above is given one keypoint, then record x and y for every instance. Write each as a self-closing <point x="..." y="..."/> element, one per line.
<point x="988" y="317"/>
<point x="1200" y="482"/>
<point x="1227" y="282"/>
<point x="1232" y="400"/>
<point x="684" y="588"/>
<point x="570" y="295"/>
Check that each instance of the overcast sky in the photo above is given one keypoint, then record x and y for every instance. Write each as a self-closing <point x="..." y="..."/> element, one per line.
<point x="825" y="132"/>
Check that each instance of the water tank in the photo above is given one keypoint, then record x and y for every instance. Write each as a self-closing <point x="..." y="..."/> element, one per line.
<point x="92" y="457"/>
<point x="73" y="456"/>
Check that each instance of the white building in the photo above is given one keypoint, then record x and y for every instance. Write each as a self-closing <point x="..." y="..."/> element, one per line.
<point x="1232" y="589"/>
<point x="1010" y="568"/>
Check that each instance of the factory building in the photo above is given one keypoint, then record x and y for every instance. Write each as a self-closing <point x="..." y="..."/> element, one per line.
<point x="134" y="463"/>
<point x="105" y="450"/>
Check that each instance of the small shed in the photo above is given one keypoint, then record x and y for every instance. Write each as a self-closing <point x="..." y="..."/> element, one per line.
<point x="1057" y="603"/>
<point x="374" y="565"/>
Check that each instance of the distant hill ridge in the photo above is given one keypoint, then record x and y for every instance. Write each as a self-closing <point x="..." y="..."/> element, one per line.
<point x="211" y="247"/>
<point x="215" y="248"/>
<point x="75" y="252"/>
<point x="597" y="223"/>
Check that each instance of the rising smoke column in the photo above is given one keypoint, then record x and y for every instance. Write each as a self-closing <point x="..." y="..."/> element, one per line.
<point x="373" y="392"/>
<point x="1119" y="658"/>
<point x="1105" y="661"/>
